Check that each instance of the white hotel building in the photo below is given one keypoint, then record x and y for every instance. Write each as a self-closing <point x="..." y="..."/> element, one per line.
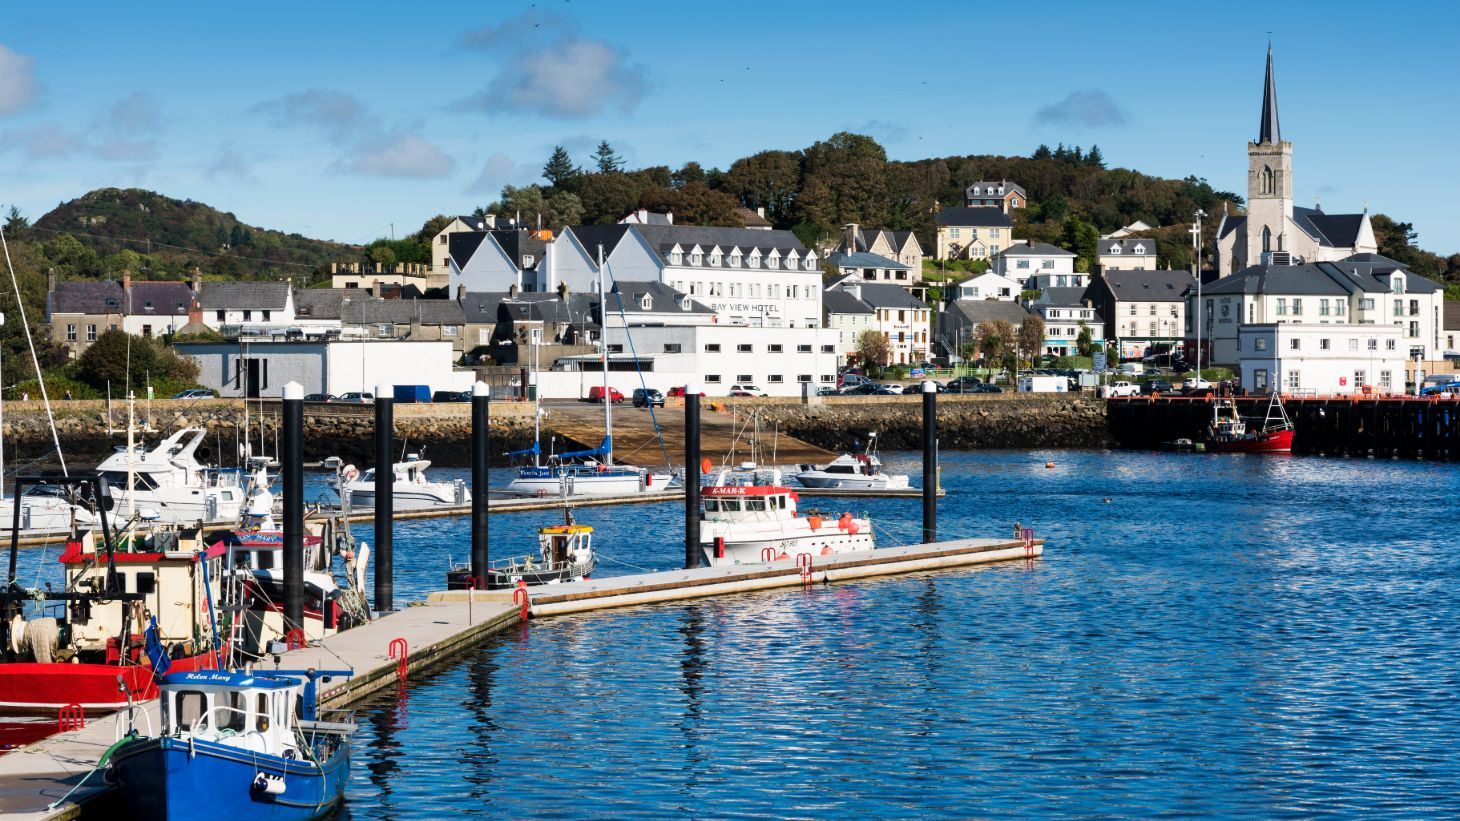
<point x="1310" y="359"/>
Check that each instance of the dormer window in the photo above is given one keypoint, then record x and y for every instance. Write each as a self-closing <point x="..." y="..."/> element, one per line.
<point x="734" y="260"/>
<point x="674" y="257"/>
<point x="715" y="260"/>
<point x="646" y="302"/>
<point x="112" y="302"/>
<point x="694" y="259"/>
<point x="1001" y="190"/>
<point x="528" y="260"/>
<point x="1140" y="249"/>
<point x="753" y="261"/>
<point x="1115" y="249"/>
<point x="1396" y="283"/>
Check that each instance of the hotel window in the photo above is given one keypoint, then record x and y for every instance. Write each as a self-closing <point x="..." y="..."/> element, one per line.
<point x="1353" y="344"/>
<point x="1132" y="309"/>
<point x="1340" y="306"/>
<point x="744" y="348"/>
<point x="1366" y="305"/>
<point x="1295" y="344"/>
<point x="712" y="347"/>
<point x="1413" y="329"/>
<point x="715" y="260"/>
<point x="1153" y="310"/>
<point x="674" y="257"/>
<point x="1297" y="307"/>
<point x="1323" y="345"/>
<point x="1359" y="377"/>
<point x="70" y="333"/>
<point x="774" y="349"/>
<point x="1373" y="344"/>
<point x="753" y="262"/>
<point x="672" y="347"/>
<point x="1282" y="306"/>
<point x="734" y="260"/>
<point x="694" y="259"/>
<point x="826" y="377"/>
<point x="1294" y="383"/>
<point x="825" y="348"/>
<point x="775" y="378"/>
<point x="1399" y="307"/>
<point x="1386" y="381"/>
<point x="1414" y="307"/>
<point x="712" y="377"/>
<point x="1389" y="344"/>
<point x="744" y="377"/>
<point x="90" y="333"/>
<point x="1153" y="329"/>
<point x="803" y="349"/>
<point x="805" y="377"/>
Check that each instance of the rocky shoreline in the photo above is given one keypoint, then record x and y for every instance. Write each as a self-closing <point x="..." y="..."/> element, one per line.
<point x="441" y="432"/>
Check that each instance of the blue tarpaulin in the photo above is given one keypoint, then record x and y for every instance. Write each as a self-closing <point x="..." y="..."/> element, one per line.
<point x="156" y="653"/>
<point x="602" y="450"/>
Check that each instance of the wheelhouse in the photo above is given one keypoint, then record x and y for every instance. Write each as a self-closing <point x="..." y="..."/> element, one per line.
<point x="214" y="705"/>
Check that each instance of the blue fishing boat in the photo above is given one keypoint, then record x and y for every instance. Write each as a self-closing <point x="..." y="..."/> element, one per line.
<point x="237" y="746"/>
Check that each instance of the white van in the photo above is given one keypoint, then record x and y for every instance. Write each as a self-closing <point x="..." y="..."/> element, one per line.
<point x="1043" y="384"/>
<point x="1131" y="369"/>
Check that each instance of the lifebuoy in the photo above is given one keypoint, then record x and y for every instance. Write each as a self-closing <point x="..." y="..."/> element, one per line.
<point x="350" y="474"/>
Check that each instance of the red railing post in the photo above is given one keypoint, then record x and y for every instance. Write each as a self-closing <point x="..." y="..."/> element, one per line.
<point x="295" y="639"/>
<point x="519" y="597"/>
<point x="803" y="561"/>
<point x="70" y="717"/>
<point x="401" y="652"/>
<point x="1028" y="536"/>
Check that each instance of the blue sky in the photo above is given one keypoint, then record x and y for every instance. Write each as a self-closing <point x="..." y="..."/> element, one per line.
<point x="336" y="120"/>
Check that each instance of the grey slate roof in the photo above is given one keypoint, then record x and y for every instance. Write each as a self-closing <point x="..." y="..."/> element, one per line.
<point x="1231" y="224"/>
<point x="166" y="298"/>
<point x="239" y="295"/>
<point x="984" y="185"/>
<point x="462" y="245"/>
<point x="1038" y="249"/>
<point x="662" y="298"/>
<point x="1333" y="230"/>
<point x="751" y="218"/>
<point x="473" y="222"/>
<point x="978" y="310"/>
<point x="841" y="302"/>
<point x="369" y="310"/>
<point x="1360" y="273"/>
<point x="887" y="295"/>
<point x="322" y="303"/>
<point x="1147" y="286"/>
<point x="1063" y="297"/>
<point x="863" y="259"/>
<point x="85" y="296"/>
<point x="661" y="238"/>
<point x="1127" y="247"/>
<point x="982" y="217"/>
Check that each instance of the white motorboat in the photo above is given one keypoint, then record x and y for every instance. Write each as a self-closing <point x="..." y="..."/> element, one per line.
<point x="168" y="483"/>
<point x="853" y="471"/>
<point x="46" y="509"/>
<point x="580" y="473"/>
<point x="410" y="490"/>
<point x="750" y="517"/>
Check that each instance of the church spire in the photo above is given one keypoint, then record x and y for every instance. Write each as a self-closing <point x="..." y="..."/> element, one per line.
<point x="1269" y="131"/>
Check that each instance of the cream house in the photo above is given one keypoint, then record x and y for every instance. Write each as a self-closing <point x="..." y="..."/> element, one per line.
<point x="973" y="233"/>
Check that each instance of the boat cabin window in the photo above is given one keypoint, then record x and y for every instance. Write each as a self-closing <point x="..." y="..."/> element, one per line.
<point x="234" y="718"/>
<point x="712" y="505"/>
<point x="755" y="504"/>
<point x="264" y="559"/>
<point x="840" y="469"/>
<point x="730" y="505"/>
<point x="188" y="707"/>
<point x="261" y="717"/>
<point x="777" y="502"/>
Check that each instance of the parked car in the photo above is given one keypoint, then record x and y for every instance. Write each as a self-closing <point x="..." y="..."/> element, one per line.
<point x="1121" y="388"/>
<point x="1159" y="386"/>
<point x="964" y="384"/>
<point x="1444" y="390"/>
<point x="195" y="393"/>
<point x="451" y="396"/>
<point x="319" y="397"/>
<point x="358" y="397"/>
<point x="889" y="389"/>
<point x="852" y="379"/>
<point x="859" y="389"/>
<point x="1195" y="384"/>
<point x="595" y="394"/>
<point x="746" y="390"/>
<point x="678" y="390"/>
<point x="648" y="398"/>
<point x="827" y="392"/>
<point x="986" y="389"/>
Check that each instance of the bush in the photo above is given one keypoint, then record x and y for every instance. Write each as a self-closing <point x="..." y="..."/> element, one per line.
<point x="115" y="356"/>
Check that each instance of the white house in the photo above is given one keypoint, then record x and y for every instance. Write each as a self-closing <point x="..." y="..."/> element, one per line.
<point x="849" y="317"/>
<point x="247" y="305"/>
<point x="1308" y="358"/>
<point x="902" y="246"/>
<point x="1066" y="313"/>
<point x="488" y="261"/>
<point x="900" y="317"/>
<point x="260" y="368"/>
<point x="988" y="285"/>
<point x="1040" y="265"/>
<point x="1364" y="289"/>
<point x="1126" y="254"/>
<point x="872" y="267"/>
<point x="1142" y="308"/>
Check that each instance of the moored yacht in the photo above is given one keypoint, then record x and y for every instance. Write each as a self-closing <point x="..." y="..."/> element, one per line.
<point x="585" y="473"/>
<point x="858" y="470"/>
<point x="410" y="490"/>
<point x="168" y="483"/>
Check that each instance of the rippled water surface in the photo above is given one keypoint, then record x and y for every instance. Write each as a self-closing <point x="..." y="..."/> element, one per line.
<point x="1206" y="636"/>
<point x="1224" y="637"/>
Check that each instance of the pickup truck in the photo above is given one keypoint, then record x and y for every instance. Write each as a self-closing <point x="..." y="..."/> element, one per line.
<point x="1115" y="389"/>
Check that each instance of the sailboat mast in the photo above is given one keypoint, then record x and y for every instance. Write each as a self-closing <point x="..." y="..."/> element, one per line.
<point x="131" y="453"/>
<point x="536" y="401"/>
<point x="603" y="349"/>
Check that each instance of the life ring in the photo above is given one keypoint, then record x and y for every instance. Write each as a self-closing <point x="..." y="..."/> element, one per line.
<point x="350" y="474"/>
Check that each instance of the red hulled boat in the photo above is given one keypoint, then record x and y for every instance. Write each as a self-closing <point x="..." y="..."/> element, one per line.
<point x="1230" y="433"/>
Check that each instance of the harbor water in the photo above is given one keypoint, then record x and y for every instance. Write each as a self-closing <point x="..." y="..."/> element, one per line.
<point x="1206" y="636"/>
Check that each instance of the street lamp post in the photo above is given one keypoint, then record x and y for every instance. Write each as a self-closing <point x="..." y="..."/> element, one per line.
<point x="1196" y="272"/>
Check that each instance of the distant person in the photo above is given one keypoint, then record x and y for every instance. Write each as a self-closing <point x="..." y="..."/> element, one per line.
<point x="68" y="396"/>
<point x="24" y="396"/>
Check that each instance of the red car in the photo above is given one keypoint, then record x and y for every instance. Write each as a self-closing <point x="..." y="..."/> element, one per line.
<point x="679" y="391"/>
<point x="596" y="395"/>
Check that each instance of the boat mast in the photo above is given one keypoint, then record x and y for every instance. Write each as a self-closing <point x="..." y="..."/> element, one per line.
<point x="536" y="400"/>
<point x="131" y="468"/>
<point x="603" y="352"/>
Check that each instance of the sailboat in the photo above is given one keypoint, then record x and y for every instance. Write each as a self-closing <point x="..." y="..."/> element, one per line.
<point x="589" y="472"/>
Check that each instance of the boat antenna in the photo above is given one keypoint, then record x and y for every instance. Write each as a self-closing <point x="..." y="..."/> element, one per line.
<point x="34" y="360"/>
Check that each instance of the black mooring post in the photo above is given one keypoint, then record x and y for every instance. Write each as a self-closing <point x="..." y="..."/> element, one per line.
<point x="691" y="479"/>
<point x="292" y="456"/>
<point x="930" y="462"/>
<point x="480" y="555"/>
<point x="384" y="500"/>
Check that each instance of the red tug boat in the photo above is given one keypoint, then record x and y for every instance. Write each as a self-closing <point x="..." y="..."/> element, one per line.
<point x="126" y="607"/>
<point x="1230" y="433"/>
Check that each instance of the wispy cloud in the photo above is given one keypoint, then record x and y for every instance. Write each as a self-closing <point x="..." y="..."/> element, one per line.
<point x="400" y="155"/>
<point x="338" y="114"/>
<point x="138" y="113"/>
<point x="229" y="164"/>
<point x="43" y="142"/>
<point x="547" y="67"/>
<point x="500" y="170"/>
<point x="17" y="81"/>
<point x="883" y="131"/>
<point x="1091" y="108"/>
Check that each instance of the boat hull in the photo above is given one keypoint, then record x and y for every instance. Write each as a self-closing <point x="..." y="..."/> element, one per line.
<point x="169" y="778"/>
<point x="844" y="482"/>
<point x="33" y="688"/>
<point x="747" y="544"/>
<point x="543" y="483"/>
<point x="403" y="499"/>
<point x="1277" y="441"/>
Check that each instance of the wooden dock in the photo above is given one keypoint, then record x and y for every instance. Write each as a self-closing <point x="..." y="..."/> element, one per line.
<point x="36" y="781"/>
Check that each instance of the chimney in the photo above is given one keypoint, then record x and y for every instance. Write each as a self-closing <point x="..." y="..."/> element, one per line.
<point x="461" y="291"/>
<point x="512" y="291"/>
<point x="851" y="237"/>
<point x="195" y="312"/>
<point x="127" y="292"/>
<point x="760" y="211"/>
<point x="50" y="280"/>
<point x="563" y="291"/>
<point x="669" y="215"/>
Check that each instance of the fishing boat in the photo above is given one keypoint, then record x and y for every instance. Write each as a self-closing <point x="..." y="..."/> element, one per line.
<point x="126" y="603"/>
<point x="410" y="489"/>
<point x="1229" y="432"/>
<point x="238" y="746"/>
<point x="751" y="516"/>
<point x="858" y="470"/>
<point x="564" y="554"/>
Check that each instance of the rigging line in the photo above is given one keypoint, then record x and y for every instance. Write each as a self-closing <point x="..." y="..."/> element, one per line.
<point x="30" y="341"/>
<point x="178" y="247"/>
<point x="640" y="371"/>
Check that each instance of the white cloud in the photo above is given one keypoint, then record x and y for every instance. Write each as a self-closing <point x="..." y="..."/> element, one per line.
<point x="337" y="113"/>
<point x="138" y="113"/>
<point x="43" y="142"/>
<point x="17" y="81"/>
<point x="500" y="170"/>
<point x="400" y="155"/>
<point x="229" y="164"/>
<point x="548" y="68"/>
<point x="883" y="131"/>
<point x="1091" y="108"/>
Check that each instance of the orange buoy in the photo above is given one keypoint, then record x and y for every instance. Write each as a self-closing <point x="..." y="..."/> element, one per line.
<point x="814" y="521"/>
<point x="827" y="551"/>
<point x="706" y="466"/>
<point x="782" y="557"/>
<point x="1049" y="464"/>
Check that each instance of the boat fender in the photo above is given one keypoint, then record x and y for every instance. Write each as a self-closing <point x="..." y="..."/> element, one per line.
<point x="814" y="521"/>
<point x="289" y="753"/>
<point x="706" y="466"/>
<point x="268" y="784"/>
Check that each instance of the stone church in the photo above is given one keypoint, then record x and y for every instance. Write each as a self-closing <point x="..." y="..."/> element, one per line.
<point x="1274" y="230"/>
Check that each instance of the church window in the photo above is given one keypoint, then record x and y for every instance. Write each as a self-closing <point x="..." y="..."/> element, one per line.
<point x="1266" y="185"/>
<point x="1266" y="239"/>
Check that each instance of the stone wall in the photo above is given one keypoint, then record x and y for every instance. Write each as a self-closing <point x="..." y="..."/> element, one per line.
<point x="964" y="422"/>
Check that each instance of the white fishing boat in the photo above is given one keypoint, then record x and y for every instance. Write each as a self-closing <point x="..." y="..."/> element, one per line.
<point x="750" y="516"/>
<point x="410" y="489"/>
<point x="564" y="554"/>
<point x="858" y="470"/>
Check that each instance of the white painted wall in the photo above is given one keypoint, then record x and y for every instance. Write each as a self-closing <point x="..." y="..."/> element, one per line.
<point x="1322" y="359"/>
<point x="329" y="367"/>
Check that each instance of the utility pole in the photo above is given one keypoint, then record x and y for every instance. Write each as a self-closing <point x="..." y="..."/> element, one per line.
<point x="1196" y="272"/>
